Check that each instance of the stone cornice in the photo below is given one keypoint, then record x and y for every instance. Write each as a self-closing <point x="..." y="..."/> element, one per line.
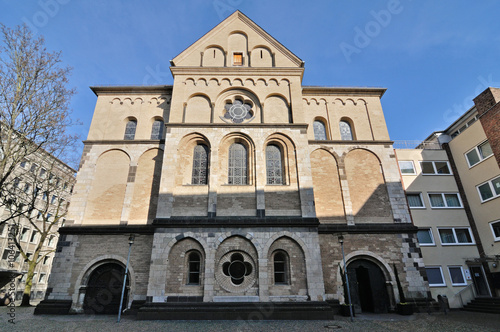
<point x="132" y="89"/>
<point x="234" y="125"/>
<point x="336" y="91"/>
<point x="367" y="228"/>
<point x="154" y="142"/>
<point x="339" y="142"/>
<point x="238" y="71"/>
<point x="177" y="222"/>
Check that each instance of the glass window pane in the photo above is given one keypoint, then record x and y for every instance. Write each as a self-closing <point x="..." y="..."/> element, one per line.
<point x="452" y="200"/>
<point x="472" y="157"/>
<point x="319" y="131"/>
<point x="496" y="229"/>
<point x="406" y="167"/>
<point x="496" y="185"/>
<point x="436" y="200"/>
<point x="274" y="165"/>
<point x="237" y="164"/>
<point x="485" y="191"/>
<point x="157" y="129"/>
<point x="424" y="236"/>
<point x="456" y="275"/>
<point x="463" y="235"/>
<point x="130" y="130"/>
<point x="345" y="131"/>
<point x="485" y="150"/>
<point x="427" y="167"/>
<point x="446" y="236"/>
<point x="200" y="165"/>
<point x="434" y="276"/>
<point x="414" y="200"/>
<point x="442" y="167"/>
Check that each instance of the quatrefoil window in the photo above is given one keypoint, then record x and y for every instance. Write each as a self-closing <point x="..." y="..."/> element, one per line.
<point x="237" y="111"/>
<point x="237" y="269"/>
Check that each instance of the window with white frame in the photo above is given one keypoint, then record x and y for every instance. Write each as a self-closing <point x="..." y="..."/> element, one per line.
<point x="489" y="189"/>
<point x="495" y="228"/>
<point x="455" y="236"/>
<point x="407" y="167"/>
<point x="25" y="234"/>
<point x="435" y="168"/>
<point x="445" y="200"/>
<point x="415" y="200"/>
<point x="425" y="237"/>
<point x="457" y="276"/>
<point x="479" y="153"/>
<point x="435" y="276"/>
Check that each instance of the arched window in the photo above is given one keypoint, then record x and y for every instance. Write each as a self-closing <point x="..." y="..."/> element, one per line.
<point x="345" y="131"/>
<point x="238" y="164"/>
<point x="274" y="165"/>
<point x="319" y="130"/>
<point x="157" y="129"/>
<point x="194" y="268"/>
<point x="130" y="130"/>
<point x="200" y="165"/>
<point x="280" y="268"/>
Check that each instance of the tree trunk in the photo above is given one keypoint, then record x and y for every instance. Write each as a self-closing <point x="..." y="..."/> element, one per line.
<point x="29" y="283"/>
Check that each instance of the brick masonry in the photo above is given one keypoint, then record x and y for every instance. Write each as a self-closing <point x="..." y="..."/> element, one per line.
<point x="488" y="108"/>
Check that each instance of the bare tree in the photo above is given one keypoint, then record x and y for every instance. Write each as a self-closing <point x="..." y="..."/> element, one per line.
<point x="34" y="104"/>
<point x="39" y="201"/>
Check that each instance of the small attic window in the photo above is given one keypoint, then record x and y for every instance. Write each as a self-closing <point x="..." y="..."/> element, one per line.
<point x="237" y="59"/>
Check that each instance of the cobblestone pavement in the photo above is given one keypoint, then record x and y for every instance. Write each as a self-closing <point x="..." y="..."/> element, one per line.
<point x="453" y="321"/>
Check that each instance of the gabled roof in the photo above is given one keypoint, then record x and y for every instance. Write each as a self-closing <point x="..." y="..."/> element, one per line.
<point x="237" y="16"/>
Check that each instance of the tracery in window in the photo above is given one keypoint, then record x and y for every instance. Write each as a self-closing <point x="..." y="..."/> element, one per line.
<point x="345" y="131"/>
<point x="200" y="165"/>
<point x="130" y="130"/>
<point x="157" y="129"/>
<point x="319" y="130"/>
<point x="274" y="165"/>
<point x="238" y="164"/>
<point x="237" y="111"/>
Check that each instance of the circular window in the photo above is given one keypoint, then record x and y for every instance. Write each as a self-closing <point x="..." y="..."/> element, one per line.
<point x="237" y="111"/>
<point x="236" y="272"/>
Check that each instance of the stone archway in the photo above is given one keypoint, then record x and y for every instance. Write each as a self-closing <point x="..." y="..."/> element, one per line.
<point x="103" y="290"/>
<point x="367" y="285"/>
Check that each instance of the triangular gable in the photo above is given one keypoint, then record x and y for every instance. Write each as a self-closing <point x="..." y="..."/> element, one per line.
<point x="219" y="37"/>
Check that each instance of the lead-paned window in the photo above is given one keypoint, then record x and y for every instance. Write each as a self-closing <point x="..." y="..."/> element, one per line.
<point x="238" y="164"/>
<point x="319" y="130"/>
<point x="345" y="131"/>
<point x="130" y="130"/>
<point x="194" y="268"/>
<point x="200" y="165"/>
<point x="157" y="129"/>
<point x="274" y="165"/>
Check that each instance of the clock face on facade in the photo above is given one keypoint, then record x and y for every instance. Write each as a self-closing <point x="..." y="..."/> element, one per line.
<point x="237" y="111"/>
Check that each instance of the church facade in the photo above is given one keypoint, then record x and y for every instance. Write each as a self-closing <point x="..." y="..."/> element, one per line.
<point x="235" y="184"/>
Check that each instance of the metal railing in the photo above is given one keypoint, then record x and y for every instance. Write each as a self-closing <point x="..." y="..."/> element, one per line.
<point x="467" y="290"/>
<point x="417" y="145"/>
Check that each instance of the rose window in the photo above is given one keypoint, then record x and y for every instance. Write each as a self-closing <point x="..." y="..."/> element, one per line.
<point x="237" y="111"/>
<point x="236" y="272"/>
<point x="237" y="269"/>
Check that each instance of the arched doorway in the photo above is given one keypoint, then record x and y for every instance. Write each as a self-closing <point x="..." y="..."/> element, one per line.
<point x="103" y="291"/>
<point x="367" y="287"/>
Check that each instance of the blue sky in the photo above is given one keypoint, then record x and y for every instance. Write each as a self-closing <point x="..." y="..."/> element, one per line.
<point x="432" y="56"/>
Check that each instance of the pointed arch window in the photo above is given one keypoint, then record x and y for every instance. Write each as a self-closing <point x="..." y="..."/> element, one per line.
<point x="200" y="165"/>
<point x="345" y="131"/>
<point x="238" y="164"/>
<point x="274" y="164"/>
<point x="280" y="263"/>
<point x="157" y="129"/>
<point x="130" y="130"/>
<point x="319" y="130"/>
<point x="194" y="268"/>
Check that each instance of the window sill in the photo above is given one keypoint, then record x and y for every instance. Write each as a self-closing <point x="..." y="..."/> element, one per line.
<point x="457" y="244"/>
<point x="437" y="285"/>
<point x="447" y="208"/>
<point x="417" y="207"/>
<point x="459" y="285"/>
<point x="435" y="174"/>
<point x="427" y="244"/>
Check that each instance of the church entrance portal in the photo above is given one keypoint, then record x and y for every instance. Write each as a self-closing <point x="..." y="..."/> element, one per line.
<point x="103" y="291"/>
<point x="367" y="287"/>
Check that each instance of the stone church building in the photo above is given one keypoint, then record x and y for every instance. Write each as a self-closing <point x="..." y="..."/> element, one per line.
<point x="236" y="183"/>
